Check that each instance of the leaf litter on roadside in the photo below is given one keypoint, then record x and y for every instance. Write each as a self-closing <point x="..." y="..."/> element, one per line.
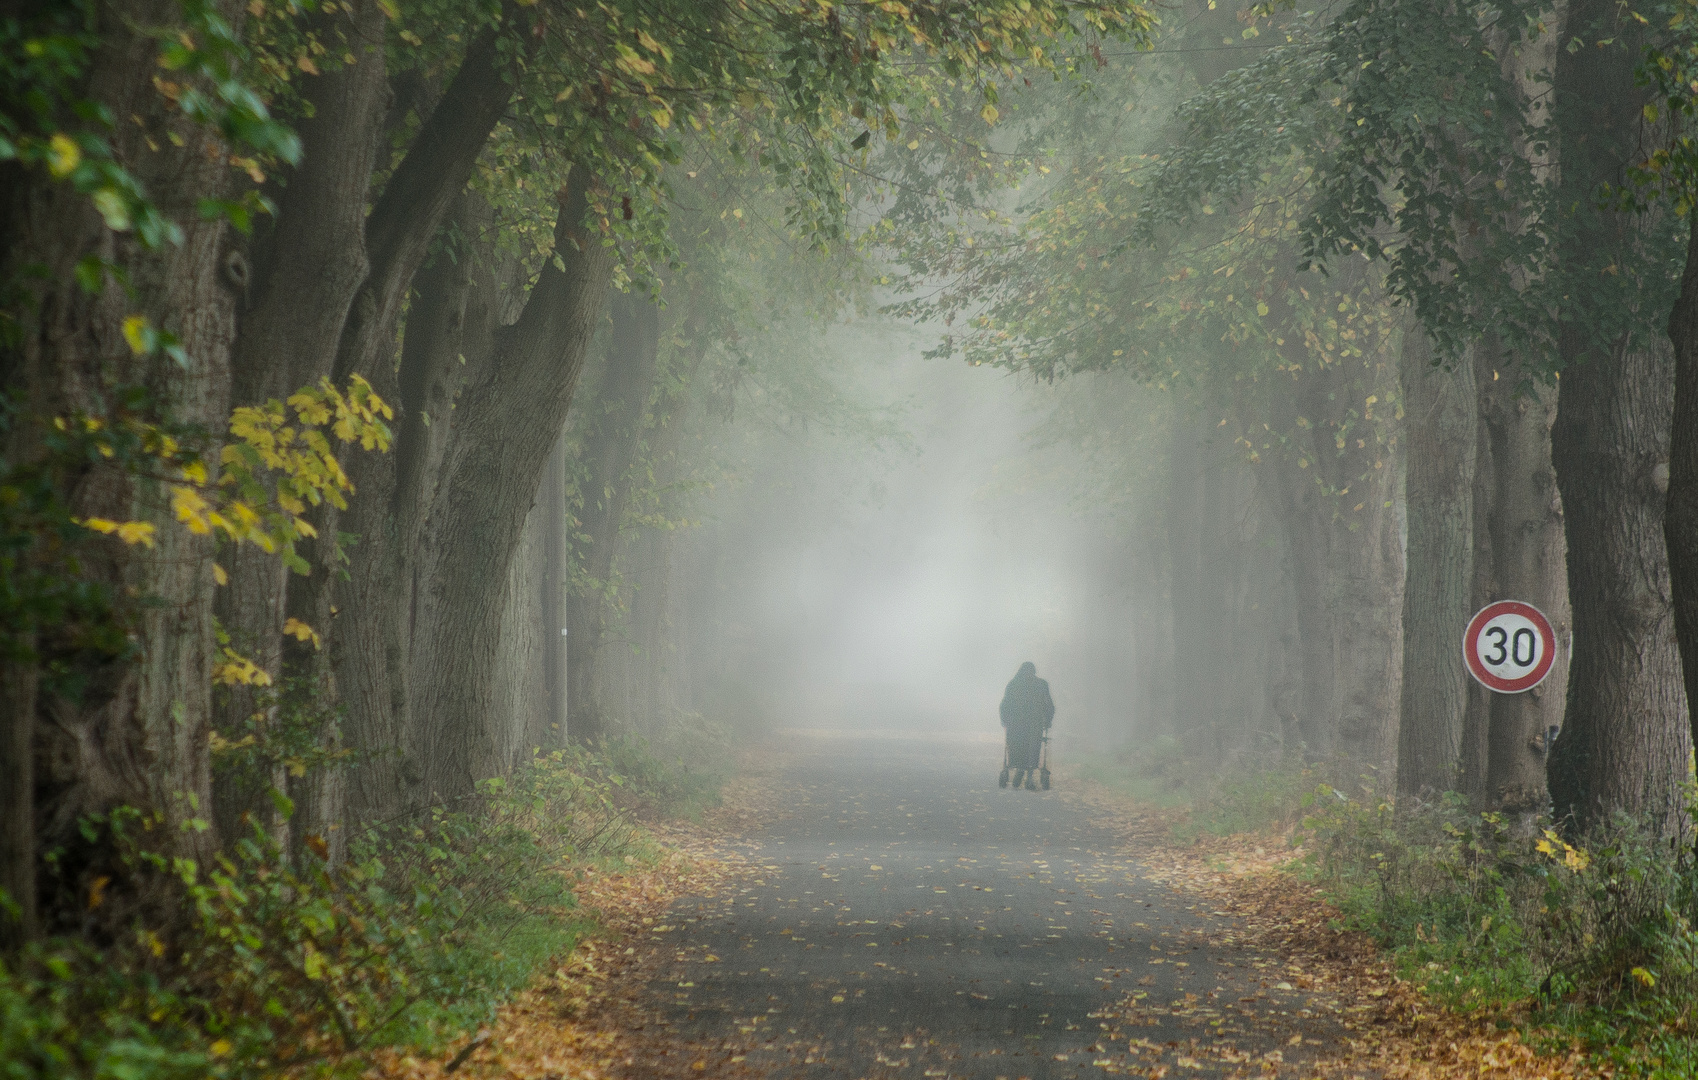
<point x="1393" y="1030"/>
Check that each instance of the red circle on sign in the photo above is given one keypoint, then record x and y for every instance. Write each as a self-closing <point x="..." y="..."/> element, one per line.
<point x="1516" y="613"/>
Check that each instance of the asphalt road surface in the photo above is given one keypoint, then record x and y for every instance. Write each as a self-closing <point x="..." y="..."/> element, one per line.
<point x="903" y="917"/>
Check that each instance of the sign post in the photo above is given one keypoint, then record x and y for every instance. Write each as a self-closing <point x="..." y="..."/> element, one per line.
<point x="1509" y="646"/>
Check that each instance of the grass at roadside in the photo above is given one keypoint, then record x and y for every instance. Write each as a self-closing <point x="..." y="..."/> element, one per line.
<point x="1584" y="941"/>
<point x="263" y="965"/>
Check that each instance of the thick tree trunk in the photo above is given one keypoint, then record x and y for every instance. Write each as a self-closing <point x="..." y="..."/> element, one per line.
<point x="367" y="637"/>
<point x="506" y="423"/>
<point x="1625" y="739"/>
<point x="302" y="274"/>
<point x="1680" y="525"/>
<point x="1625" y="736"/>
<point x="134" y="731"/>
<point x="458" y="308"/>
<point x="1528" y="564"/>
<point x="1440" y="422"/>
<point x="1347" y="564"/>
<point x="615" y="420"/>
<point x="516" y="718"/>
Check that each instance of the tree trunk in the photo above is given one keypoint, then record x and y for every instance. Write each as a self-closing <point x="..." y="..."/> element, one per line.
<point x="1475" y="754"/>
<point x="552" y="505"/>
<point x="615" y="420"/>
<point x="1625" y="740"/>
<point x="1440" y="422"/>
<point x="516" y="719"/>
<point x="1680" y="525"/>
<point x="302" y="274"/>
<point x="18" y="681"/>
<point x="1525" y="522"/>
<point x="1347" y="563"/>
<point x="121" y="730"/>
<point x="457" y="310"/>
<point x="506" y="424"/>
<point x="417" y="197"/>
<point x="1625" y="737"/>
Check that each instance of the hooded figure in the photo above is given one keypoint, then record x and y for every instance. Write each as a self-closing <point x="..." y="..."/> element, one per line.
<point x="1027" y="712"/>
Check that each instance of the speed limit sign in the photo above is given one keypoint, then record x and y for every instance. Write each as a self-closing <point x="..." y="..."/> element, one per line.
<point x="1509" y="646"/>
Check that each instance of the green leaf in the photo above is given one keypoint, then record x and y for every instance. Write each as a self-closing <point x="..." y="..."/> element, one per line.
<point x="284" y="805"/>
<point x="91" y="273"/>
<point x="114" y="208"/>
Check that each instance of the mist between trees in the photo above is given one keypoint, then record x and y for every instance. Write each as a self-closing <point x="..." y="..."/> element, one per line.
<point x="396" y="391"/>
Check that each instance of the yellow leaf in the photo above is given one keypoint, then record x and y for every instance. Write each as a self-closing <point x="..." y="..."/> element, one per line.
<point x="195" y="472"/>
<point x="136" y="333"/>
<point x="136" y="532"/>
<point x="63" y="155"/>
<point x="300" y="631"/>
<point x="1645" y="977"/>
<point x="220" y="1048"/>
<point x="989" y="113"/>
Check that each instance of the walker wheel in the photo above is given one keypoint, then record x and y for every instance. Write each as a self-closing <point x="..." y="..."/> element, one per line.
<point x="1002" y="781"/>
<point x="1043" y="779"/>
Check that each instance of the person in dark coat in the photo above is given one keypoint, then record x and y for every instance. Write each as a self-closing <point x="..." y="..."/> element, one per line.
<point x="1027" y="712"/>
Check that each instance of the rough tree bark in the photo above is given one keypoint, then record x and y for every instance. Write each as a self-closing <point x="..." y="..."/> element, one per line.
<point x="1625" y="739"/>
<point x="130" y="732"/>
<point x="302" y="274"/>
<point x="367" y="646"/>
<point x="1680" y="525"/>
<point x="1477" y="710"/>
<point x="459" y="305"/>
<point x="1440" y="420"/>
<point x="1527" y="552"/>
<point x="551" y="504"/>
<point x="616" y="419"/>
<point x="1625" y="736"/>
<point x="506" y="423"/>
<point x="517" y="709"/>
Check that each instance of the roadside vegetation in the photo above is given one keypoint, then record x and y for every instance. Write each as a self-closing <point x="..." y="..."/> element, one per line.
<point x="1572" y="939"/>
<point x="261" y="964"/>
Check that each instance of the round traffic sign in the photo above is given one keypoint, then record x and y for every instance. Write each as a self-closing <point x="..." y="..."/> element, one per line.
<point x="1509" y="646"/>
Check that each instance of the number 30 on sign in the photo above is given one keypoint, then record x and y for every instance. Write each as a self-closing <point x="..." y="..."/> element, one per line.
<point x="1509" y="646"/>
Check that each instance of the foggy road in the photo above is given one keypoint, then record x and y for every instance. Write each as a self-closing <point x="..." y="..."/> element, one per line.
<point x="905" y="917"/>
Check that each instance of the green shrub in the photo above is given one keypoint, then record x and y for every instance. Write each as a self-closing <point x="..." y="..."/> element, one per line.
<point x="261" y="965"/>
<point x="1593" y="935"/>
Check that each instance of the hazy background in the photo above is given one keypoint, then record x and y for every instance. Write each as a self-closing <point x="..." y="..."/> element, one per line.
<point x="867" y="582"/>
